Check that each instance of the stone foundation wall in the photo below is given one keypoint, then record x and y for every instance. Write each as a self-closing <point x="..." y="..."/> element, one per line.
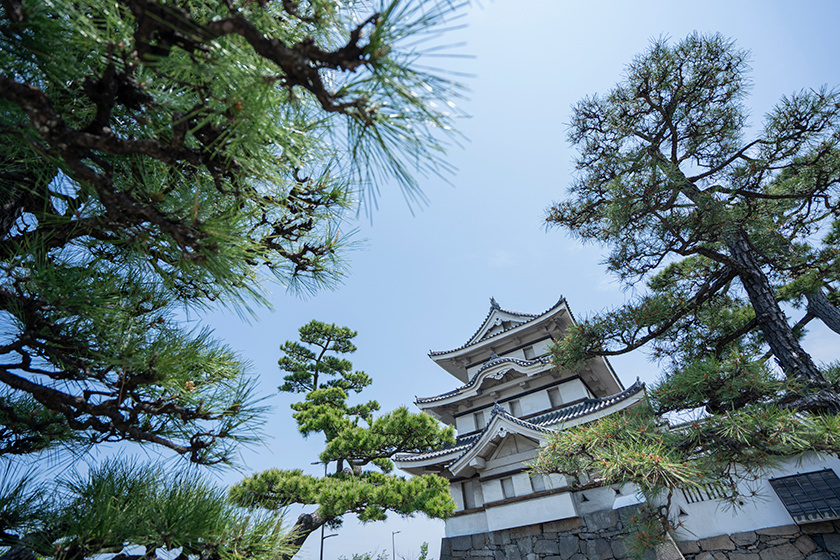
<point x="602" y="536"/>
<point x="599" y="535"/>
<point x="814" y="541"/>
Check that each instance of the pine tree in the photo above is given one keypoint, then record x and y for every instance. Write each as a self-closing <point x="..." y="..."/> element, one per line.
<point x="159" y="158"/>
<point x="155" y="157"/>
<point x="722" y="231"/>
<point x="134" y="510"/>
<point x="355" y="438"/>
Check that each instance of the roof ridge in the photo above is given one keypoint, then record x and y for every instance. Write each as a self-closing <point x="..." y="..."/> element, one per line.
<point x="495" y="307"/>
<point x="469" y="384"/>
<point x="538" y="423"/>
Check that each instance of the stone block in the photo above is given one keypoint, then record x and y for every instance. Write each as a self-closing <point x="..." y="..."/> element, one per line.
<point x="599" y="548"/>
<point x="821" y="556"/>
<point x="545" y="546"/>
<point x="789" y="530"/>
<point x="821" y="527"/>
<point x="649" y="554"/>
<point x="832" y="542"/>
<point x="461" y="543"/>
<point x="782" y="552"/>
<point x="668" y="551"/>
<point x="625" y="513"/>
<point x="479" y="540"/>
<point x="526" y="531"/>
<point x="688" y="547"/>
<point x="562" y="525"/>
<point x="620" y="547"/>
<point x="499" y="555"/>
<point x="568" y="546"/>
<point x="445" y="547"/>
<point x="723" y="542"/>
<point x="600" y="520"/>
<point x="739" y="555"/>
<point x="744" y="539"/>
<point x="512" y="552"/>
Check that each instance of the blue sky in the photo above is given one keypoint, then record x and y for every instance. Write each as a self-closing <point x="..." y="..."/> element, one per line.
<point x="423" y="282"/>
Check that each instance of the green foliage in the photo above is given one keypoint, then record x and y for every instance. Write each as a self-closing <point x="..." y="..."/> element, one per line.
<point x="120" y="506"/>
<point x="159" y="158"/>
<point x="720" y="230"/>
<point x="355" y="438"/>
<point x="162" y="156"/>
<point x="366" y="556"/>
<point x="369" y="494"/>
<point x="307" y="367"/>
<point x="709" y="220"/>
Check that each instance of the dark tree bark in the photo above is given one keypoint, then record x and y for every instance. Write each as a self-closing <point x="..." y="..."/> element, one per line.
<point x="306" y="524"/>
<point x="772" y="322"/>
<point x="820" y="307"/>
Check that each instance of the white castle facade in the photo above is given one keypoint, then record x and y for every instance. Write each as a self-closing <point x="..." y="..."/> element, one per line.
<point x="511" y="398"/>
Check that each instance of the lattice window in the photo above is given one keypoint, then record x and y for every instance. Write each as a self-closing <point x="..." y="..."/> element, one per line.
<point x="704" y="493"/>
<point x="810" y="497"/>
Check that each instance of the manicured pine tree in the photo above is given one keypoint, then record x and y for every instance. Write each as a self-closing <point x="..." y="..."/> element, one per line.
<point x="722" y="224"/>
<point x="359" y="444"/>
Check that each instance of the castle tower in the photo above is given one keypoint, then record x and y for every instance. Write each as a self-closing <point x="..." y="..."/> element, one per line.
<point x="510" y="399"/>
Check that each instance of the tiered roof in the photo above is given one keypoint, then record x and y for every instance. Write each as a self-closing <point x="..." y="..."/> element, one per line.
<point x="544" y="424"/>
<point x="499" y="327"/>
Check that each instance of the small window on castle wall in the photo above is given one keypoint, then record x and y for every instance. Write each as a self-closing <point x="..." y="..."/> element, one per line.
<point x="537" y="483"/>
<point x="507" y="488"/>
<point x="478" y="417"/>
<point x="529" y="352"/>
<point x="515" y="408"/>
<point x="554" y="397"/>
<point x="468" y="493"/>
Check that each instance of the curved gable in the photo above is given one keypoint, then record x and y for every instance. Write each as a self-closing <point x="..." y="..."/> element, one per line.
<point x="501" y="425"/>
<point x="494" y="369"/>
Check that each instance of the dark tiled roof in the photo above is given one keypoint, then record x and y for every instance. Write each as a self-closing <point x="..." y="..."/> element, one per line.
<point x="460" y="443"/>
<point x="529" y="316"/>
<point x="538" y="423"/>
<point x="520" y="361"/>
<point x="472" y="382"/>
<point x="586" y="407"/>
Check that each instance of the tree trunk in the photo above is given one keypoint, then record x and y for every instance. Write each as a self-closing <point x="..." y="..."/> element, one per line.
<point x="306" y="524"/>
<point x="771" y="320"/>
<point x="824" y="310"/>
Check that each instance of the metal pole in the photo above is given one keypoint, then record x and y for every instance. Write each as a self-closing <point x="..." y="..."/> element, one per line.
<point x="393" y="548"/>
<point x="322" y="526"/>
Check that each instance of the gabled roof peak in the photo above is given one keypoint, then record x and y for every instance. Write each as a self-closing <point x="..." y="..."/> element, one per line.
<point x="499" y="317"/>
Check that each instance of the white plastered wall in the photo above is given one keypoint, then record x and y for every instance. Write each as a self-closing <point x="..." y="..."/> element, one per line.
<point x="715" y="517"/>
